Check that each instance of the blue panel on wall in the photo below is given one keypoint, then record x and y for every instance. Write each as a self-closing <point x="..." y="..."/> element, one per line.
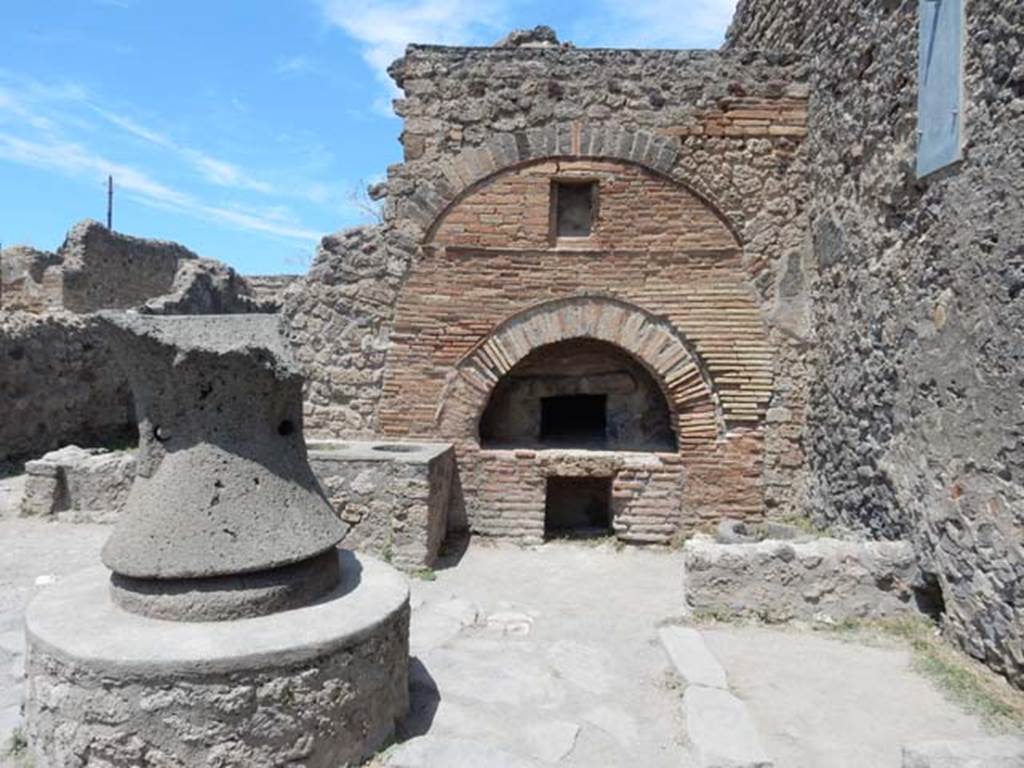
<point x="939" y="84"/>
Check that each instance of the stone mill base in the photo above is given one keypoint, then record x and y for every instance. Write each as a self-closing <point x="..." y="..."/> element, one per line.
<point x="320" y="685"/>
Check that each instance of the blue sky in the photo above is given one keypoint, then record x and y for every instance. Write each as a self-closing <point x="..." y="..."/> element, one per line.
<point x="244" y="129"/>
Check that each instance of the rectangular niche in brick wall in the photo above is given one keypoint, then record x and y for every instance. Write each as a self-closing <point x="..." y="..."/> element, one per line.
<point x="573" y="207"/>
<point x="577" y="507"/>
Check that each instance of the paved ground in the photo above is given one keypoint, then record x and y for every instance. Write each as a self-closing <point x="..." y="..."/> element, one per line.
<point x="560" y="660"/>
<point x="33" y="555"/>
<point x="821" y="702"/>
<point x="550" y="655"/>
<point x="11" y="489"/>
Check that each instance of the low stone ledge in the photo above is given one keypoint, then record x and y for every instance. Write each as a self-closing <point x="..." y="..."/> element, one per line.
<point x="814" y="579"/>
<point x="394" y="495"/>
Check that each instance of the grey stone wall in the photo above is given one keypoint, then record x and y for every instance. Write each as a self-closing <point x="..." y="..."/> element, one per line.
<point x="269" y="290"/>
<point x="917" y="418"/>
<point x="339" y="318"/>
<point x="109" y="270"/>
<point x="395" y="497"/>
<point x="88" y="485"/>
<point x="207" y="287"/>
<point x="58" y="384"/>
<point x="30" y="280"/>
<point x="97" y="269"/>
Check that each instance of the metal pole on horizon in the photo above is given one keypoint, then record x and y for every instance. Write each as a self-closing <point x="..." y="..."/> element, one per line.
<point x="110" y="201"/>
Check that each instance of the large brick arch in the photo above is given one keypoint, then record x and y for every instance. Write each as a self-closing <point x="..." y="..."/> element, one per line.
<point x="460" y="175"/>
<point x="651" y="340"/>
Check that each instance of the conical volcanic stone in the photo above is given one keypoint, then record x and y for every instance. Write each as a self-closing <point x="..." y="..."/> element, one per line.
<point x="223" y="484"/>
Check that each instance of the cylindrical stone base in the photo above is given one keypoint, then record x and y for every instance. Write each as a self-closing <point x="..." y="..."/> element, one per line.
<point x="320" y="685"/>
<point x="223" y="598"/>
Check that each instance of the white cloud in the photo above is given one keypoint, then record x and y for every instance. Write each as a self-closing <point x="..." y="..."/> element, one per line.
<point x="292" y="65"/>
<point x="31" y="98"/>
<point x="212" y="169"/>
<point x="385" y="27"/>
<point x="46" y="147"/>
<point x="75" y="161"/>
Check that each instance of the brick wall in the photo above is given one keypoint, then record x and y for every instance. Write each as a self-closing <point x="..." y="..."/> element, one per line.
<point x="699" y="246"/>
<point x="655" y="246"/>
<point x="636" y="211"/>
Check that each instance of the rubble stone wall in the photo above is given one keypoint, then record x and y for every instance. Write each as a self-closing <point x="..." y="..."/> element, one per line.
<point x="88" y="485"/>
<point x="916" y="417"/>
<point x="269" y="290"/>
<point x="339" y="320"/>
<point x="396" y="502"/>
<point x="109" y="270"/>
<point x="58" y="385"/>
<point x="821" y="579"/>
<point x="30" y="280"/>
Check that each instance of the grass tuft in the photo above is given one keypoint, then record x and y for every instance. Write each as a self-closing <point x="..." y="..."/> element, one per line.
<point x="17" y="750"/>
<point x="425" y="574"/>
<point x="963" y="680"/>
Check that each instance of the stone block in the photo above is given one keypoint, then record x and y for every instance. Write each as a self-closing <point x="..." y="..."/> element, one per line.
<point x="395" y="496"/>
<point x="80" y="484"/>
<point x="202" y="693"/>
<point x="694" y="663"/>
<point x="721" y="730"/>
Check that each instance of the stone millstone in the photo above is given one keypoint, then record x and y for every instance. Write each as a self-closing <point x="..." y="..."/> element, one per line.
<point x="223" y="486"/>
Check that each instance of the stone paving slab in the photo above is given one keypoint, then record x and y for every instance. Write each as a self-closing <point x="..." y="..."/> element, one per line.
<point x="441" y="752"/>
<point x="721" y="730"/>
<point x="549" y="655"/>
<point x="694" y="663"/>
<point x="829" y="702"/>
<point x="1002" y="752"/>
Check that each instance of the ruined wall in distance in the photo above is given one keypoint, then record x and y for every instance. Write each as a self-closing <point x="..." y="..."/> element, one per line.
<point x="110" y="270"/>
<point x="30" y="280"/>
<point x="59" y="384"/>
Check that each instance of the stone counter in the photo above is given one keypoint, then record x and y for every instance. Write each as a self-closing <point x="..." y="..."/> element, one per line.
<point x="394" y="495"/>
